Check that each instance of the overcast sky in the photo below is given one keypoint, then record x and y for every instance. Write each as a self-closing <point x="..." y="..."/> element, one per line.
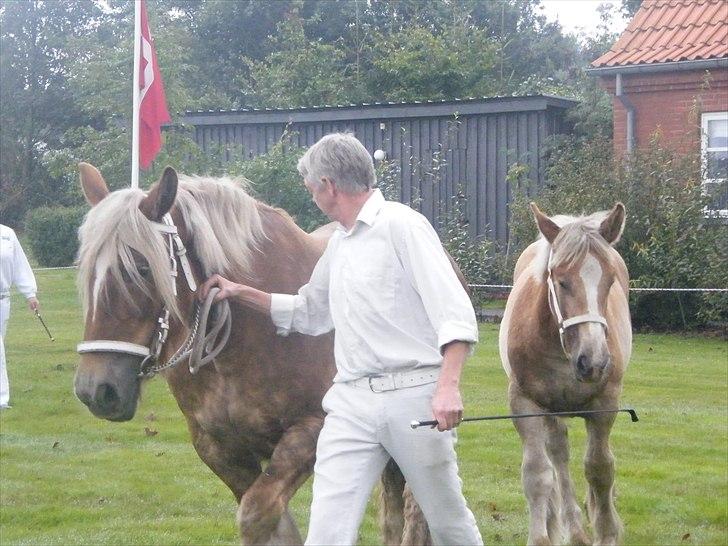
<point x="581" y="15"/>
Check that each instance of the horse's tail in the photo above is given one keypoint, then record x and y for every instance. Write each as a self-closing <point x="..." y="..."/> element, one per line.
<point x="401" y="520"/>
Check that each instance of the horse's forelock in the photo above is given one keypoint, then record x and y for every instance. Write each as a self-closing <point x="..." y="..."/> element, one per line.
<point x="221" y="218"/>
<point x="114" y="230"/>
<point x="578" y="237"/>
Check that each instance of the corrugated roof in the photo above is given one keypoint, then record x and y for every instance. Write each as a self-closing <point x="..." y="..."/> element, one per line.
<point x="669" y="31"/>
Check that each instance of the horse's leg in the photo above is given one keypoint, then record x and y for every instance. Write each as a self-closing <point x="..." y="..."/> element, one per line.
<point x="599" y="467"/>
<point x="402" y="521"/>
<point x="238" y="470"/>
<point x="263" y="512"/>
<point x="558" y="448"/>
<point x="537" y="472"/>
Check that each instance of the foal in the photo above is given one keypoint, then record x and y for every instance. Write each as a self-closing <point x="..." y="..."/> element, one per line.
<point x="565" y="341"/>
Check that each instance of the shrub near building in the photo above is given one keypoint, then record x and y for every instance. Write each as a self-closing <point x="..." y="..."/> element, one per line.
<point x="53" y="234"/>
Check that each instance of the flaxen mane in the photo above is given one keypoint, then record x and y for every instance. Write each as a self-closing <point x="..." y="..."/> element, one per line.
<point x="120" y="244"/>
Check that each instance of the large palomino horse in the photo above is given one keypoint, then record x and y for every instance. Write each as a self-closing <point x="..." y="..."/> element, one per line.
<point x="565" y="342"/>
<point x="260" y="400"/>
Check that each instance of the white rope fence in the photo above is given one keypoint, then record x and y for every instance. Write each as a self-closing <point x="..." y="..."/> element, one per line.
<point x="632" y="289"/>
<point x="496" y="286"/>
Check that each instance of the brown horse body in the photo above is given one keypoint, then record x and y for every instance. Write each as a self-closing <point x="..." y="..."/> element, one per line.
<point x="581" y="371"/>
<point x="260" y="401"/>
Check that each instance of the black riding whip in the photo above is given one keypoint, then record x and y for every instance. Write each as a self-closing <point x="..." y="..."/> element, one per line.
<point x="631" y="411"/>
<point x="37" y="314"/>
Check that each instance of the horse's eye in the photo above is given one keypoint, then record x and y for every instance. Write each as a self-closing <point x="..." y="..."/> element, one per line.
<point x="564" y="285"/>
<point x="144" y="271"/>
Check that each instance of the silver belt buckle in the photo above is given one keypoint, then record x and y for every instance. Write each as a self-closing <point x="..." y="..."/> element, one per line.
<point x="384" y="387"/>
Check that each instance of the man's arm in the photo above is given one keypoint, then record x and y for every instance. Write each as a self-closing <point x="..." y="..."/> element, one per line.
<point x="247" y="295"/>
<point x="447" y="404"/>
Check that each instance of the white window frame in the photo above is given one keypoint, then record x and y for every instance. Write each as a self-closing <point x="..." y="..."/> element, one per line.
<point x="704" y="149"/>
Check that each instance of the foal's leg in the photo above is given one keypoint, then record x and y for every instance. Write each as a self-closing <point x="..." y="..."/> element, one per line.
<point x="599" y="467"/>
<point x="537" y="472"/>
<point x="558" y="449"/>
<point x="263" y="514"/>
<point x="402" y="521"/>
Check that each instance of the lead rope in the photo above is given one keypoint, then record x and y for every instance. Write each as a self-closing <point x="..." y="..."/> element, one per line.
<point x="201" y="348"/>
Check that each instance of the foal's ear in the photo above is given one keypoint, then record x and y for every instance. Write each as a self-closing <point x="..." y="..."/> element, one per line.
<point x="161" y="197"/>
<point x="612" y="226"/>
<point x="546" y="225"/>
<point x="92" y="183"/>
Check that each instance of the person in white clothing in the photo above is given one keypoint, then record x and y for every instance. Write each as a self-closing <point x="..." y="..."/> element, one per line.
<point x="404" y="328"/>
<point x="14" y="270"/>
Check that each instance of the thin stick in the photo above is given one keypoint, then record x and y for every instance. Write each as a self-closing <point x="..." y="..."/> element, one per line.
<point x="37" y="314"/>
<point x="582" y="413"/>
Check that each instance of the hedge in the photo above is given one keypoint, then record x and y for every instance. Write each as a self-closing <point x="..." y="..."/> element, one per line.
<point x="53" y="234"/>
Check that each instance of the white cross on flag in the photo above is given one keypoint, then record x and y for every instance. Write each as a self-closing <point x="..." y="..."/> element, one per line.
<point x="152" y="102"/>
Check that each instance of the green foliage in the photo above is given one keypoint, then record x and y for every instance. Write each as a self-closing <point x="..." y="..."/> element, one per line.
<point x="667" y="241"/>
<point x="53" y="234"/>
<point x="275" y="180"/>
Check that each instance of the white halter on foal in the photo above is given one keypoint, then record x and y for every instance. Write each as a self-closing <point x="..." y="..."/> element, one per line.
<point x="151" y="353"/>
<point x="573" y="321"/>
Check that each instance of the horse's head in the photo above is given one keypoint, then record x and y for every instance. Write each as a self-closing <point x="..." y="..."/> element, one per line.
<point x="124" y="279"/>
<point x="581" y="271"/>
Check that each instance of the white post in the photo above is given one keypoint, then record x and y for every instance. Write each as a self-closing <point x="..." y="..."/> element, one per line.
<point x="135" y="96"/>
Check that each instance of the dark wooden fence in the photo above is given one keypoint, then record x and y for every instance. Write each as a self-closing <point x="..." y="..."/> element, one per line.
<point x="439" y="149"/>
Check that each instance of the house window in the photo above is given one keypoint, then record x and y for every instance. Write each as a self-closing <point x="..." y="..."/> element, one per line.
<point x="714" y="148"/>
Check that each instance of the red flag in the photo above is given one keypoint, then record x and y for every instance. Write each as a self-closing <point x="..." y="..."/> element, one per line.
<point x="152" y="102"/>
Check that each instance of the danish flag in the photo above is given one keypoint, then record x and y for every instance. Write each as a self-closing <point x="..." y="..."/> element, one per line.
<point x="152" y="101"/>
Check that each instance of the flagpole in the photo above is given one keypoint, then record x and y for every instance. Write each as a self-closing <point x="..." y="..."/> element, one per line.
<point x="135" y="96"/>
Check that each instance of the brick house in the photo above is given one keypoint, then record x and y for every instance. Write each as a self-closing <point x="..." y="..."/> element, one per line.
<point x="668" y="74"/>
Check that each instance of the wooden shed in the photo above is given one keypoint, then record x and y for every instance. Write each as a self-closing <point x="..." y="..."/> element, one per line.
<point x="437" y="148"/>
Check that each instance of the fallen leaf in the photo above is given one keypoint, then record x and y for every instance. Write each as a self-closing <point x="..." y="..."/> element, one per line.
<point x="686" y="536"/>
<point x="151" y="417"/>
<point x="150" y="432"/>
<point x="58" y="367"/>
<point x="159" y="454"/>
<point x="497" y="517"/>
<point x="56" y="444"/>
<point x="492" y="506"/>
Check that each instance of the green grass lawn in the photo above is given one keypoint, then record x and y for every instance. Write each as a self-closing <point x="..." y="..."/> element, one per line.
<point x="69" y="478"/>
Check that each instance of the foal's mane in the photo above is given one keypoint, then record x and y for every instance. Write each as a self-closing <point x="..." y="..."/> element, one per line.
<point x="579" y="235"/>
<point x="222" y="221"/>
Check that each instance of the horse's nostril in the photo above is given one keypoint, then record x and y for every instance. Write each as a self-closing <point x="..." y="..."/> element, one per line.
<point x="581" y="364"/>
<point x="106" y="396"/>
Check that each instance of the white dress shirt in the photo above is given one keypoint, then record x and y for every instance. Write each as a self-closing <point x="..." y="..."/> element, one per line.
<point x="14" y="266"/>
<point x="388" y="289"/>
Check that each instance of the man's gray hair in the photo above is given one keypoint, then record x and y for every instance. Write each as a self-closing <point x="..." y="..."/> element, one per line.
<point x="341" y="158"/>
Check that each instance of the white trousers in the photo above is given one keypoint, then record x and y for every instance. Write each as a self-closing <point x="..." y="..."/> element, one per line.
<point x="4" y="383"/>
<point x="361" y="431"/>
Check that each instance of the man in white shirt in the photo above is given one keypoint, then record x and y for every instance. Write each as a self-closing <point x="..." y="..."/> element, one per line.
<point x="404" y="328"/>
<point x="14" y="270"/>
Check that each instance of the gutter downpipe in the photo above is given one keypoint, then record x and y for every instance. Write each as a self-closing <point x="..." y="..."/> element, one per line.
<point x="624" y="99"/>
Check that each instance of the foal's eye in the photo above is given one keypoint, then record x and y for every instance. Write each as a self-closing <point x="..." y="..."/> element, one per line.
<point x="144" y="271"/>
<point x="564" y="285"/>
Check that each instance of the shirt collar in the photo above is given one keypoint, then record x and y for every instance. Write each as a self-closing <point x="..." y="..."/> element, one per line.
<point x="368" y="212"/>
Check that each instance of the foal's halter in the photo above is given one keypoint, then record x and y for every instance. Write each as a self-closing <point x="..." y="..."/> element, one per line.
<point x="560" y="320"/>
<point x="196" y="343"/>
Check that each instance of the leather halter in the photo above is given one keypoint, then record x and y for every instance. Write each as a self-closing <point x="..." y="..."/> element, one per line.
<point x="151" y="354"/>
<point x="563" y="323"/>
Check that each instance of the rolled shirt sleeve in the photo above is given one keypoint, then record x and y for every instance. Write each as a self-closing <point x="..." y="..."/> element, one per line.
<point x="429" y="269"/>
<point x="306" y="312"/>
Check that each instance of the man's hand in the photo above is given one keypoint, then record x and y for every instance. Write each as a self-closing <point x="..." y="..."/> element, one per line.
<point x="447" y="407"/>
<point x="33" y="304"/>
<point x="227" y="288"/>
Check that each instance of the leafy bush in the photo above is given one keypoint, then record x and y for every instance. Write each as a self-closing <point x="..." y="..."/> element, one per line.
<point x="667" y="241"/>
<point x="52" y="234"/>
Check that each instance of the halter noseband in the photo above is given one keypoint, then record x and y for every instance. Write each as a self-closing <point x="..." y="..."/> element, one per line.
<point x="151" y="354"/>
<point x="573" y="321"/>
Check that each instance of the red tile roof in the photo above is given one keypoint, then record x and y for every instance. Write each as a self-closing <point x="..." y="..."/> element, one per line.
<point x="671" y="30"/>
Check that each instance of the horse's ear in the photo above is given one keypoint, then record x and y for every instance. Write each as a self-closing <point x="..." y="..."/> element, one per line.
<point x="546" y="225"/>
<point x="612" y="226"/>
<point x="93" y="184"/>
<point x="161" y="197"/>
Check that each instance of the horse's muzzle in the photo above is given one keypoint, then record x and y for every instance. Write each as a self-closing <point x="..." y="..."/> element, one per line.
<point x="108" y="386"/>
<point x="590" y="369"/>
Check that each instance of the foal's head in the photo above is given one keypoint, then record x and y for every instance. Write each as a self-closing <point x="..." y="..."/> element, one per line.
<point x="581" y="271"/>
